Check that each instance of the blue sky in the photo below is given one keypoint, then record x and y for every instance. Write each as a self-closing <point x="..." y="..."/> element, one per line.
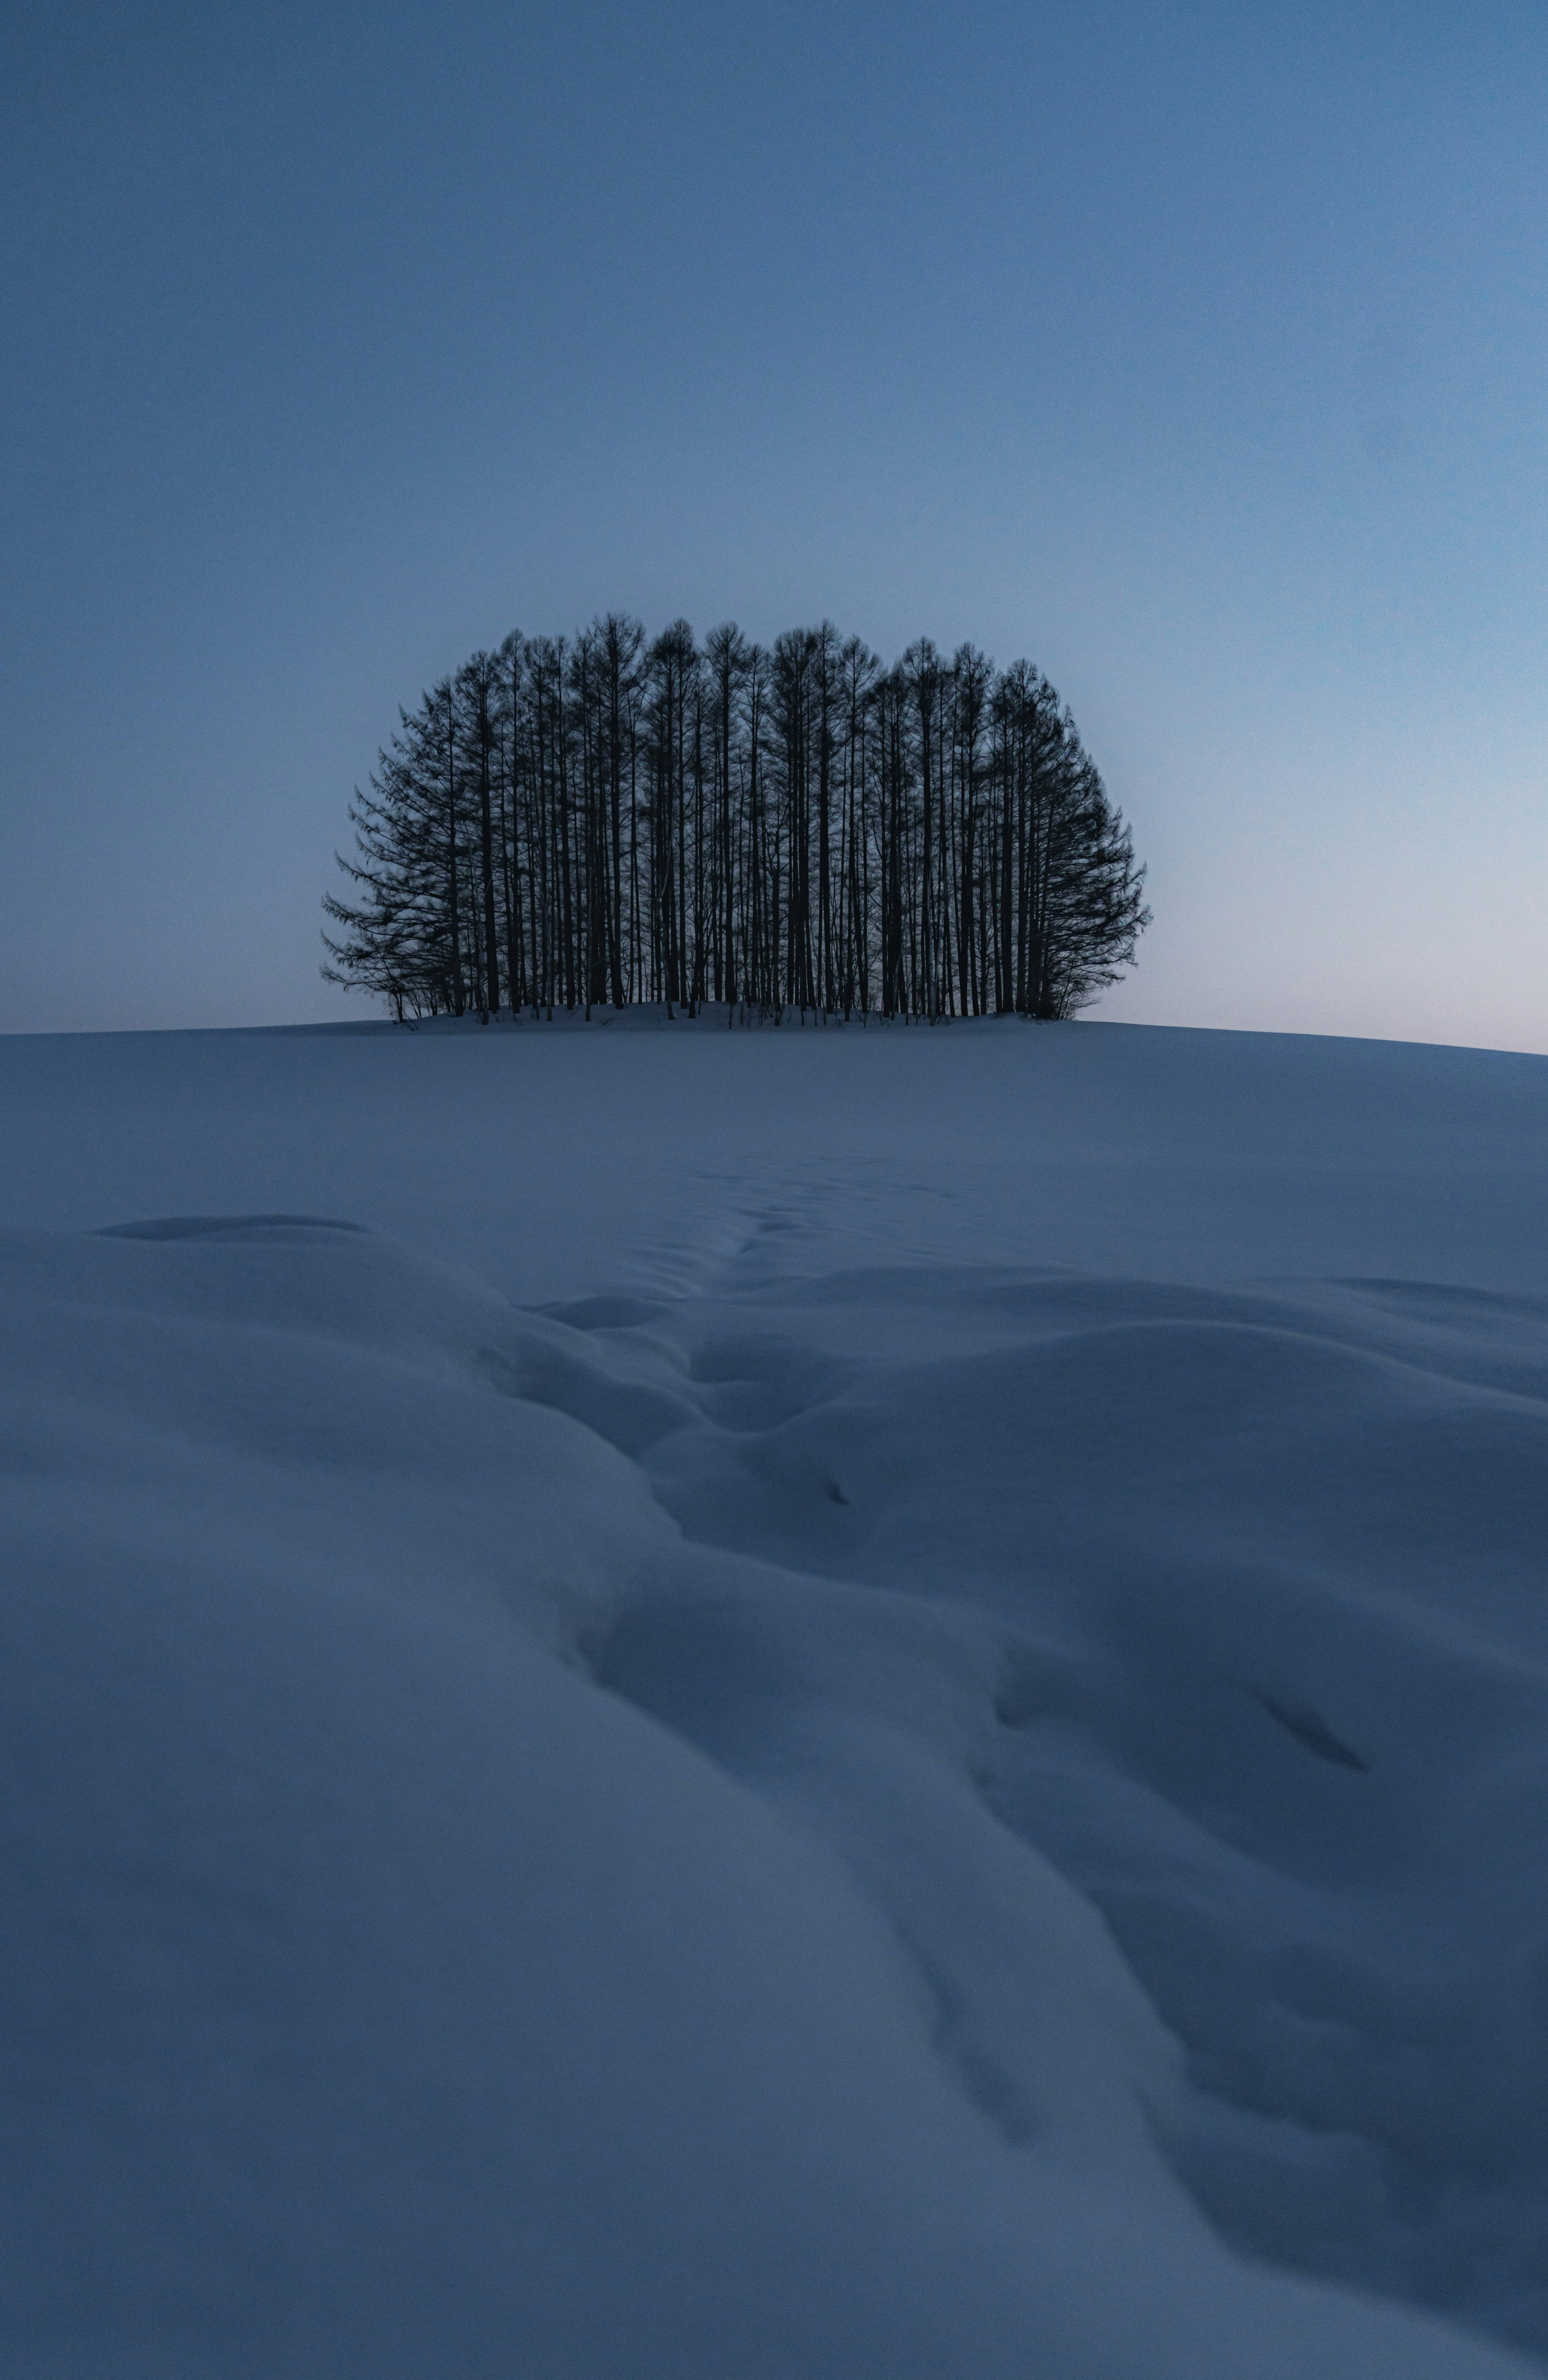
<point x="1197" y="353"/>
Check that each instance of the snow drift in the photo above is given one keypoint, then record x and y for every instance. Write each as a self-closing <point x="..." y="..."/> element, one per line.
<point x="791" y="1704"/>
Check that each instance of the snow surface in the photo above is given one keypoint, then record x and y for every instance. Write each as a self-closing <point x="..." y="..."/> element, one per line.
<point x="803" y="1702"/>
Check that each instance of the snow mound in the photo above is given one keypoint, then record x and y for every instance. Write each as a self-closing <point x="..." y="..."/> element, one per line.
<point x="859" y="1794"/>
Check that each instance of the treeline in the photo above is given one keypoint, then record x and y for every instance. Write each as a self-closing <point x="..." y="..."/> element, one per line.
<point x="600" y="820"/>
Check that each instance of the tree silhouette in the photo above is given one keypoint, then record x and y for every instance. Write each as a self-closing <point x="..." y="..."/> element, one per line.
<point x="569" y="822"/>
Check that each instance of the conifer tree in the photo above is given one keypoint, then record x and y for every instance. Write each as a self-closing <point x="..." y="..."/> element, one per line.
<point x="573" y="823"/>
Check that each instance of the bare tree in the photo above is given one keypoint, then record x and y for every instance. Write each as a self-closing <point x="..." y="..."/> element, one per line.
<point x="569" y="821"/>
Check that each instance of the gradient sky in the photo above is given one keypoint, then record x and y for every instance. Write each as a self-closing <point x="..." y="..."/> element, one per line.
<point x="1199" y="353"/>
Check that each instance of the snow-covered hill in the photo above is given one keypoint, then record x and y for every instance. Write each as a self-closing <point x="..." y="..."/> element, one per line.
<point x="791" y="1704"/>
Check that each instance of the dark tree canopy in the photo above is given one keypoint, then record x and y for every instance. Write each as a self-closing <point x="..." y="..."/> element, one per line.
<point x="577" y="822"/>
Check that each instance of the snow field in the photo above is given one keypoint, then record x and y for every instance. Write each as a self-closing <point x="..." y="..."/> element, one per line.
<point x="938" y="1768"/>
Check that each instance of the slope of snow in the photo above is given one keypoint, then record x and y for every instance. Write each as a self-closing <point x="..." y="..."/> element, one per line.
<point x="793" y="1703"/>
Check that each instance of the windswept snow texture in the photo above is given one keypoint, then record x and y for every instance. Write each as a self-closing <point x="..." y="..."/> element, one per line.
<point x="801" y="1705"/>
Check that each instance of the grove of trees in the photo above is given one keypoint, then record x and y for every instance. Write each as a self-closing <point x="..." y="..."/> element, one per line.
<point x="601" y="819"/>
